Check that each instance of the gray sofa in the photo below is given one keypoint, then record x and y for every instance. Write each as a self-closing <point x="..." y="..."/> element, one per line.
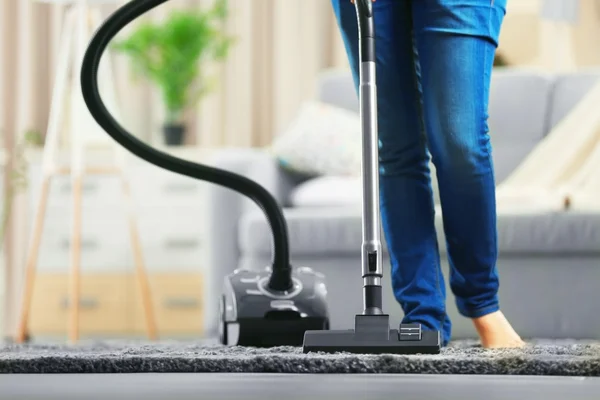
<point x="549" y="262"/>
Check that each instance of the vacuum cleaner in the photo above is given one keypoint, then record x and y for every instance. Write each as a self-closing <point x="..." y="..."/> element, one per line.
<point x="281" y="305"/>
<point x="372" y="333"/>
<point x="271" y="307"/>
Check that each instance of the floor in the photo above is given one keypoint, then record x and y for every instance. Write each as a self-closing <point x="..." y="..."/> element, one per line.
<point x="293" y="387"/>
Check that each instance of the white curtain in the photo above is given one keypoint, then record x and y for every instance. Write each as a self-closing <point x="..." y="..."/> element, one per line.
<point x="281" y="47"/>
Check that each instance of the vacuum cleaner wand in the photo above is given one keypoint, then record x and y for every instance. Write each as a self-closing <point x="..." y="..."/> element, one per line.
<point x="371" y="333"/>
<point x="372" y="271"/>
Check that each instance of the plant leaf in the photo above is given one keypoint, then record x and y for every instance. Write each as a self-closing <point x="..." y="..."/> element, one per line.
<point x="170" y="54"/>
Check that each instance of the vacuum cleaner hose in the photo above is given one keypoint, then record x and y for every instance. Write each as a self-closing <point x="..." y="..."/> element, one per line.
<point x="281" y="277"/>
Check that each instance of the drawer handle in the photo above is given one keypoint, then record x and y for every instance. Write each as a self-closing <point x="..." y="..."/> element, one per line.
<point x="182" y="243"/>
<point x="86" y="244"/>
<point x="86" y="187"/>
<point x="85" y="302"/>
<point x="182" y="302"/>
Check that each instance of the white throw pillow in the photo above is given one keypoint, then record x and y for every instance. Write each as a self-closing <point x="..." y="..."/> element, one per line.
<point x="322" y="140"/>
<point x="327" y="191"/>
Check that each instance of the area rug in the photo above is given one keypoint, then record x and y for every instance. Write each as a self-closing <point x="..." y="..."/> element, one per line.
<point x="565" y="358"/>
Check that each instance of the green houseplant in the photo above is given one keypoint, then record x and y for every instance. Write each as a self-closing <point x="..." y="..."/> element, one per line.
<point x="17" y="182"/>
<point x="17" y="177"/>
<point x="171" y="54"/>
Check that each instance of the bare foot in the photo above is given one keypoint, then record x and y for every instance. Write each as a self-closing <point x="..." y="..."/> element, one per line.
<point x="496" y="332"/>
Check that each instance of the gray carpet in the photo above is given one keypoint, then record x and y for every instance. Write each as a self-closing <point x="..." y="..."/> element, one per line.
<point x="566" y="358"/>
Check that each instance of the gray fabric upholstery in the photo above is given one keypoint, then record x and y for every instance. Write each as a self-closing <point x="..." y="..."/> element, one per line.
<point x="518" y="114"/>
<point x="560" y="10"/>
<point x="313" y="232"/>
<point x="519" y="105"/>
<point x="522" y="95"/>
<point x="550" y="233"/>
<point x="545" y="295"/>
<point x="337" y="88"/>
<point x="549" y="262"/>
<point x="568" y="90"/>
<point x="326" y="231"/>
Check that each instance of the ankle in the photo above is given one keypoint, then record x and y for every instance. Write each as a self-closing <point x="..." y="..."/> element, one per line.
<point x="495" y="331"/>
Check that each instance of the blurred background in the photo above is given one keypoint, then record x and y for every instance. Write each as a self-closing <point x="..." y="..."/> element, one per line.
<point x="242" y="85"/>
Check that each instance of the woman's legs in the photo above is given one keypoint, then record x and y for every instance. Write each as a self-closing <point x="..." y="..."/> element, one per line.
<point x="456" y="44"/>
<point x="406" y="196"/>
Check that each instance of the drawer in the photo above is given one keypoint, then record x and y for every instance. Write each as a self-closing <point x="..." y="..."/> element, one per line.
<point x="103" y="305"/>
<point x="156" y="188"/>
<point x="172" y="225"/>
<point x="103" y="243"/>
<point x="107" y="245"/>
<point x="160" y="259"/>
<point x="105" y="224"/>
<point x="170" y="242"/>
<point x="98" y="191"/>
<point x="89" y="212"/>
<point x="177" y="300"/>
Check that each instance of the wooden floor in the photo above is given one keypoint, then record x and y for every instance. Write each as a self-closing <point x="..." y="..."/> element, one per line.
<point x="293" y="387"/>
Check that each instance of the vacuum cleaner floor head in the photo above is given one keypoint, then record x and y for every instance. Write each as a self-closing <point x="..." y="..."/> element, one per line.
<point x="372" y="335"/>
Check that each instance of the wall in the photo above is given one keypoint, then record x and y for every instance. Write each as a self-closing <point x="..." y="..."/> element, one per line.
<point x="527" y="40"/>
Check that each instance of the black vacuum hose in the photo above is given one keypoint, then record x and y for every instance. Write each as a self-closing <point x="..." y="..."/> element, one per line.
<point x="281" y="277"/>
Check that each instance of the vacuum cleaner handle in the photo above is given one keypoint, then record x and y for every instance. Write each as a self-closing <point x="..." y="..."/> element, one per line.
<point x="366" y="28"/>
<point x="372" y="270"/>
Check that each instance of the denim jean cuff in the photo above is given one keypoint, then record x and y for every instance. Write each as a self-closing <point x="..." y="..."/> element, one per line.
<point x="478" y="312"/>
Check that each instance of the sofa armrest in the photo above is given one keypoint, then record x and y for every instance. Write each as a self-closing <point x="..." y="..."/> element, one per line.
<point x="224" y="208"/>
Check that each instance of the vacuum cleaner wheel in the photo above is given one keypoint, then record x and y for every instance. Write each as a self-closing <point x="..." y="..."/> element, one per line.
<point x="222" y="322"/>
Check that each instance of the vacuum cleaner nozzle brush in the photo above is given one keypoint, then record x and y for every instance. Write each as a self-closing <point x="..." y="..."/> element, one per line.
<point x="372" y="335"/>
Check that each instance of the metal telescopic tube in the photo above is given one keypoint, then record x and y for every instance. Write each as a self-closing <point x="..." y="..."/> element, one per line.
<point x="372" y="270"/>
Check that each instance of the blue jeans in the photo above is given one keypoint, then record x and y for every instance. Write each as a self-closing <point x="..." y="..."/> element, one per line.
<point x="434" y="61"/>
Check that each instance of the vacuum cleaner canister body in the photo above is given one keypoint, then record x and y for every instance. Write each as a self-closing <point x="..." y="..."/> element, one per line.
<point x="251" y="314"/>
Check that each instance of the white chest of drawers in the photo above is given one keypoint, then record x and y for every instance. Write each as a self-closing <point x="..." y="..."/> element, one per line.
<point x="168" y="209"/>
<point x="169" y="212"/>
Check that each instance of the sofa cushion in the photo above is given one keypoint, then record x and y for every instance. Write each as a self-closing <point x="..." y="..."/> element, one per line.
<point x="336" y="87"/>
<point x="519" y="104"/>
<point x="549" y="232"/>
<point x="569" y="89"/>
<point x="313" y="231"/>
<point x="327" y="231"/>
<point x="508" y="155"/>
<point x="518" y="116"/>
<point x="321" y="140"/>
<point x="327" y="191"/>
